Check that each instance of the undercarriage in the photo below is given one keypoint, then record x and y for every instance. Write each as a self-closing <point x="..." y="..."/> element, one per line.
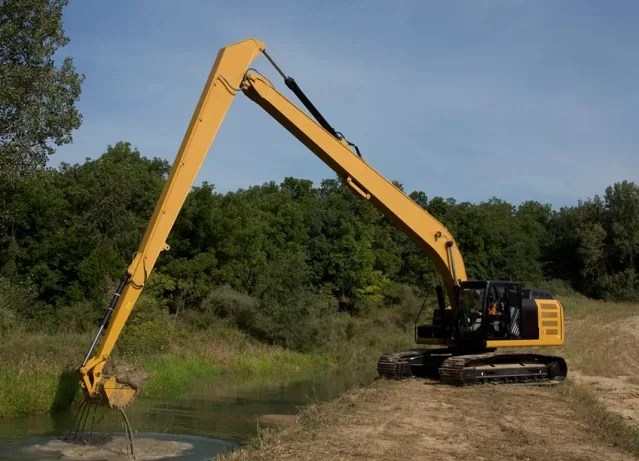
<point x="454" y="367"/>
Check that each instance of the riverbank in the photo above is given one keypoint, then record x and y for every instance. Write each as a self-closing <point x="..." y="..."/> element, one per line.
<point x="418" y="419"/>
<point x="37" y="371"/>
<point x="593" y="415"/>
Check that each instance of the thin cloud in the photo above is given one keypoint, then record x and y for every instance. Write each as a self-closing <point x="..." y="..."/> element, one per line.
<point x="469" y="99"/>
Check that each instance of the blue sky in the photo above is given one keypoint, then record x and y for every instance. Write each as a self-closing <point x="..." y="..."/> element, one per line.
<point x="468" y="99"/>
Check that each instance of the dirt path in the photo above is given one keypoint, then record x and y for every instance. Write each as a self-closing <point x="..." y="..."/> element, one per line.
<point x="604" y="356"/>
<point x="417" y="420"/>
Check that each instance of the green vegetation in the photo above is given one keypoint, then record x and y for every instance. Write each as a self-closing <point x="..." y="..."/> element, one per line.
<point x="34" y="371"/>
<point x="37" y="373"/>
<point x="277" y="261"/>
<point x="305" y="271"/>
<point x="37" y="96"/>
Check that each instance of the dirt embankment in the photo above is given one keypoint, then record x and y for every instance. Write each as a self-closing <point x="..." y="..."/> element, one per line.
<point x="603" y="355"/>
<point x="418" y="419"/>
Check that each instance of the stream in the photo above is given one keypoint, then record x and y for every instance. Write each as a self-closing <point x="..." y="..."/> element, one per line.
<point x="215" y="415"/>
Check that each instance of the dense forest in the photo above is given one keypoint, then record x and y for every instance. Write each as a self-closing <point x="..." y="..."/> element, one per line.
<point x="275" y="256"/>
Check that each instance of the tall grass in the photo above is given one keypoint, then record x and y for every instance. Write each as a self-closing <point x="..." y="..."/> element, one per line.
<point x="38" y="371"/>
<point x="172" y="373"/>
<point x="35" y="372"/>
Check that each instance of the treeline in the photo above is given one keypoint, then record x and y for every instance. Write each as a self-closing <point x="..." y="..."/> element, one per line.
<point x="276" y="257"/>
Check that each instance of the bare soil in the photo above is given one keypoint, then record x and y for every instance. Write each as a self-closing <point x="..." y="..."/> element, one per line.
<point x="418" y="419"/>
<point x="604" y="356"/>
<point x="619" y="395"/>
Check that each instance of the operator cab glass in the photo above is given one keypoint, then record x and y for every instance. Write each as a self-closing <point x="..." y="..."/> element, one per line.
<point x="489" y="310"/>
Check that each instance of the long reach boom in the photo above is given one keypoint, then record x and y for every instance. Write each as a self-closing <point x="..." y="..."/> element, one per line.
<point x="230" y="74"/>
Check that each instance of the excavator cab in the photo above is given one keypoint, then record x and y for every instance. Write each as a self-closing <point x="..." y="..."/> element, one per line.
<point x="489" y="310"/>
<point x="486" y="310"/>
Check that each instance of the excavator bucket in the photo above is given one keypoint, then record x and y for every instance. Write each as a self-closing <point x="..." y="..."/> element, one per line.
<point x="118" y="395"/>
<point x="119" y="387"/>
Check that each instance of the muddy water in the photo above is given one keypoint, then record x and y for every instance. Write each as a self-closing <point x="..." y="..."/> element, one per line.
<point x="215" y="415"/>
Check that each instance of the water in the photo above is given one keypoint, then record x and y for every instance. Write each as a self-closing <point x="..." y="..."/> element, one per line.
<point x="215" y="415"/>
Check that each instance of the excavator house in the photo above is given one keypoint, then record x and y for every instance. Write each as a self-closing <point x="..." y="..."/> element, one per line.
<point x="472" y="319"/>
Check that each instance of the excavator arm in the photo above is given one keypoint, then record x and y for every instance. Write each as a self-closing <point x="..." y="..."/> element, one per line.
<point x="416" y="222"/>
<point x="229" y="75"/>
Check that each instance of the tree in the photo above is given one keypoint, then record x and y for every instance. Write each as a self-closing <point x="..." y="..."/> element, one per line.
<point x="592" y="250"/>
<point x="37" y="98"/>
<point x="420" y="198"/>
<point x="622" y="206"/>
<point x="76" y="228"/>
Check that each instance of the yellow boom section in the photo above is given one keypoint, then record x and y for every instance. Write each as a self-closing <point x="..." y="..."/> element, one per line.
<point x="226" y="75"/>
<point x="229" y="73"/>
<point x="416" y="222"/>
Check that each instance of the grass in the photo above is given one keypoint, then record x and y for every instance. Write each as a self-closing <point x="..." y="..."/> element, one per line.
<point x="26" y="388"/>
<point x="604" y="423"/>
<point x="35" y="372"/>
<point x="172" y="374"/>
<point x="601" y="337"/>
<point x="38" y="371"/>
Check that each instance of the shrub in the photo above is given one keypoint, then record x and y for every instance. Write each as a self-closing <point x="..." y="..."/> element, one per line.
<point x="148" y="330"/>
<point x="302" y="322"/>
<point x="405" y="302"/>
<point x="225" y="302"/>
<point x="559" y="288"/>
<point x="79" y="317"/>
<point x="147" y="337"/>
<point x="350" y="329"/>
<point x="621" y="286"/>
<point x="7" y="321"/>
<point x="19" y="299"/>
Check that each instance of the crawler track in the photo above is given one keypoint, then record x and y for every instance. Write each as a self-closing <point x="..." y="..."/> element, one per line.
<point x="466" y="370"/>
<point x="457" y="369"/>
<point x="396" y="366"/>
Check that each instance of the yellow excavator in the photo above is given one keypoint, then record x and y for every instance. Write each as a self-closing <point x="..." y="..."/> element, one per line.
<point x="477" y="318"/>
